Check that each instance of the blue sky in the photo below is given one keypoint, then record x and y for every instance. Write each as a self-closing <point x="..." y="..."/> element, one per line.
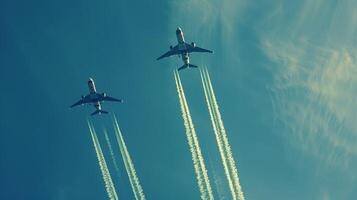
<point x="284" y="73"/>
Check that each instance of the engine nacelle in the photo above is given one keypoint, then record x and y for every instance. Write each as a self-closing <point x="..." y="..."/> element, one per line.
<point x="171" y="47"/>
<point x="82" y="97"/>
<point x="193" y="44"/>
<point x="104" y="95"/>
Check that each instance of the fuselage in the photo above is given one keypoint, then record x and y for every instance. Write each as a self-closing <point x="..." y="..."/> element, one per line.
<point x="91" y="86"/>
<point x="93" y="94"/>
<point x="182" y="46"/>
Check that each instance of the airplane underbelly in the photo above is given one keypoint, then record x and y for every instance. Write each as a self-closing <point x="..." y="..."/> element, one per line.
<point x="91" y="87"/>
<point x="97" y="105"/>
<point x="181" y="46"/>
<point x="180" y="39"/>
<point x="186" y="58"/>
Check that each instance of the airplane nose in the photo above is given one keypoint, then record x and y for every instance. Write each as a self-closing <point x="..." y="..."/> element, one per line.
<point x="178" y="30"/>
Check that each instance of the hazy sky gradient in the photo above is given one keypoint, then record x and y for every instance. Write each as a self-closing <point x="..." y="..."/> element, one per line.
<point x="284" y="73"/>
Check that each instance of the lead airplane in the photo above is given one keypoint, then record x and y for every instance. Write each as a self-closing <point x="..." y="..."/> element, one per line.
<point x="95" y="98"/>
<point x="184" y="49"/>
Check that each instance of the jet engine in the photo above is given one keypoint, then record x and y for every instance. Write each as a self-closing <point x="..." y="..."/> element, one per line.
<point x="171" y="47"/>
<point x="82" y="97"/>
<point x="193" y="44"/>
<point x="104" y="95"/>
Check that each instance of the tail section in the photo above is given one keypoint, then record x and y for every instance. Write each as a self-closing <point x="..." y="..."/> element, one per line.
<point x="192" y="66"/>
<point x="187" y="66"/>
<point x="99" y="112"/>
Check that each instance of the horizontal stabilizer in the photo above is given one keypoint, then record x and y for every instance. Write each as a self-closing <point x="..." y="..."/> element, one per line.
<point x="193" y="66"/>
<point x="187" y="66"/>
<point x="99" y="112"/>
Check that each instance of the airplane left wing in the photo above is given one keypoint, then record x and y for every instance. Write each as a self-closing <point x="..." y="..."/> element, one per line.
<point x="173" y="51"/>
<point x="191" y="48"/>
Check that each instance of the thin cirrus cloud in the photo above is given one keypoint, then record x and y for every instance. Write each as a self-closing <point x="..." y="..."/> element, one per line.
<point x="208" y="17"/>
<point x="311" y="46"/>
<point x="314" y="89"/>
<point x="314" y="99"/>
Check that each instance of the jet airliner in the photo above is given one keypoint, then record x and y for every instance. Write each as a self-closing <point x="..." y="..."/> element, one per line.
<point x="183" y="49"/>
<point x="95" y="98"/>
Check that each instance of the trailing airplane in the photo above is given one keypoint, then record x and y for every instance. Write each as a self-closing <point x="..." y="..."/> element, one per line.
<point x="95" y="98"/>
<point x="183" y="49"/>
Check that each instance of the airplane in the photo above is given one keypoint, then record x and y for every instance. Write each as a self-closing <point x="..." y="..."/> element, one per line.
<point x="95" y="98"/>
<point x="183" y="49"/>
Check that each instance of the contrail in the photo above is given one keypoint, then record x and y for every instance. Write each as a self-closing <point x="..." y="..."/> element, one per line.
<point x="196" y="143"/>
<point x="218" y="183"/>
<point x="218" y="136"/>
<point x="109" y="185"/>
<point x="111" y="151"/>
<point x="133" y="171"/>
<point x="126" y="166"/>
<point x="228" y="150"/>
<point x="196" y="146"/>
<point x="130" y="166"/>
<point x="190" y="143"/>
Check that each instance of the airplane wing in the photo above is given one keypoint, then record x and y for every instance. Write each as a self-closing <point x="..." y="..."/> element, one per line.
<point x="173" y="51"/>
<point x="83" y="100"/>
<point x="80" y="102"/>
<point x="191" y="48"/>
<point x="108" y="98"/>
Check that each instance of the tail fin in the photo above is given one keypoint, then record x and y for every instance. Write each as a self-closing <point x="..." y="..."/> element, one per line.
<point x="99" y="112"/>
<point x="187" y="66"/>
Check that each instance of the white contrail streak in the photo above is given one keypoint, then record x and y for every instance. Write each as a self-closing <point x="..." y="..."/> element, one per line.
<point x="190" y="143"/>
<point x="109" y="185"/>
<point x="133" y="171"/>
<point x="138" y="191"/>
<point x="228" y="150"/>
<point x="195" y="140"/>
<point x="218" y="136"/>
<point x="218" y="183"/>
<point x="127" y="168"/>
<point x="111" y="151"/>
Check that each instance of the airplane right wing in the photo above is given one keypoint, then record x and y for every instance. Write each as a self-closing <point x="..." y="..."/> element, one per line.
<point x="173" y="51"/>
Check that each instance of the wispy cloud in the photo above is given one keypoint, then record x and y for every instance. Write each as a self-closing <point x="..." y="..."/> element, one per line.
<point x="207" y="18"/>
<point x="315" y="78"/>
<point x="315" y="94"/>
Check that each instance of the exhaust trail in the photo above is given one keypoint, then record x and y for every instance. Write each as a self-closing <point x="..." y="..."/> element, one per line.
<point x="196" y="143"/>
<point x="111" y="151"/>
<point x="227" y="147"/>
<point x="190" y="143"/>
<point x="132" y="168"/>
<point x="133" y="178"/>
<point x="197" y="158"/>
<point x="126" y="166"/>
<point x="218" y="136"/>
<point x="218" y="183"/>
<point x="109" y="185"/>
